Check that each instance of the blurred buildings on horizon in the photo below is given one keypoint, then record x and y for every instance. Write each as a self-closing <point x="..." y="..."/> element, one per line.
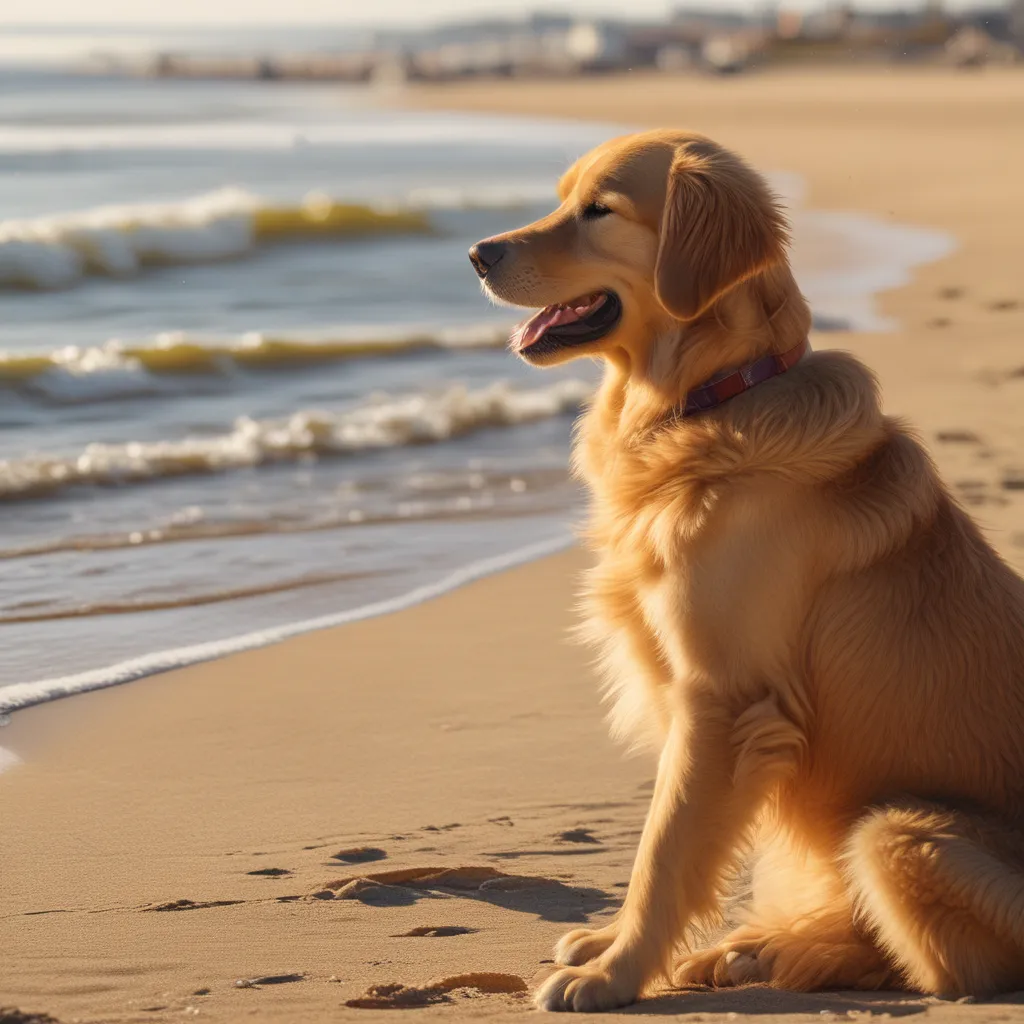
<point x="693" y="37"/>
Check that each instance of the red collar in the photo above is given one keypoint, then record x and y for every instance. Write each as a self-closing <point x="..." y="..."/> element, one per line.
<point x="731" y="383"/>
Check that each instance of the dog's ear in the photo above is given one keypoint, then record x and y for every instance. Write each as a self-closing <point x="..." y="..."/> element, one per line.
<point x="720" y="225"/>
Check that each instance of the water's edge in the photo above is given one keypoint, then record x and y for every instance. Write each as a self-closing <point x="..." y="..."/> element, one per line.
<point x="24" y="695"/>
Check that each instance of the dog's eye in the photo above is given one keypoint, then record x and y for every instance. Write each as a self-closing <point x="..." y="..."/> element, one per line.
<point x="595" y="210"/>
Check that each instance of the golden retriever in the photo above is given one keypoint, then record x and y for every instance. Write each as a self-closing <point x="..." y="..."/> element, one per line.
<point x="786" y="600"/>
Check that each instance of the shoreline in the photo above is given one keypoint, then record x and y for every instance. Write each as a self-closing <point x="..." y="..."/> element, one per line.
<point x="20" y="696"/>
<point x="466" y="731"/>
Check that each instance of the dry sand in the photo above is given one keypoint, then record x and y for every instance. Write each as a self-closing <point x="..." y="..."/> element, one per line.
<point x="163" y="841"/>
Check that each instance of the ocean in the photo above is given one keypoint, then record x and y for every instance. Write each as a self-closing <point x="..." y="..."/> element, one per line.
<point x="248" y="383"/>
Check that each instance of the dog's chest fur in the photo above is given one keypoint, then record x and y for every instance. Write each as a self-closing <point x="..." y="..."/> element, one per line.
<point x="698" y="577"/>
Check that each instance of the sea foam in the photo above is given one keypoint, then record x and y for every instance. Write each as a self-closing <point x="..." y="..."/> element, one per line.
<point x="167" y="361"/>
<point x="387" y="422"/>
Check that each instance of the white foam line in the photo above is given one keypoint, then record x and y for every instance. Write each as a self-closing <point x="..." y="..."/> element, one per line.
<point x="385" y="423"/>
<point x="23" y="695"/>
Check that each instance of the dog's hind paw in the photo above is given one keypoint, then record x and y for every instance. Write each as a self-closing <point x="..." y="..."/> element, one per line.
<point x="719" y="967"/>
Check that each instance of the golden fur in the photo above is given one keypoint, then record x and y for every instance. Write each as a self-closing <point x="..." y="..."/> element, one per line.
<point x="789" y="603"/>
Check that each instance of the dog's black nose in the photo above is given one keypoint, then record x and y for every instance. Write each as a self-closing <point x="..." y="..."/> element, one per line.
<point x="484" y="255"/>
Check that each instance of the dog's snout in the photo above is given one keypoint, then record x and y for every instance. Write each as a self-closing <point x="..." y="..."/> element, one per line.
<point x="484" y="255"/>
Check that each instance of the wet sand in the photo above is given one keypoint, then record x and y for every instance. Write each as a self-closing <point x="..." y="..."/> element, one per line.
<point x="164" y="841"/>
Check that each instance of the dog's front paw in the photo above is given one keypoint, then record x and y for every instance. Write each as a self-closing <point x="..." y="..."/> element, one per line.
<point x="584" y="944"/>
<point x="588" y="989"/>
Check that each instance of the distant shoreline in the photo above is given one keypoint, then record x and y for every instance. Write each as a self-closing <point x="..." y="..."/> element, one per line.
<point x="541" y="46"/>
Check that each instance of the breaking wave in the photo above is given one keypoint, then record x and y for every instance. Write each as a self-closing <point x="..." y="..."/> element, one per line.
<point x="385" y="423"/>
<point x="119" y="369"/>
<point x="53" y="252"/>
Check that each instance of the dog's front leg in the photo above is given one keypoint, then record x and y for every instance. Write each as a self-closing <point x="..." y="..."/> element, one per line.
<point x="699" y="815"/>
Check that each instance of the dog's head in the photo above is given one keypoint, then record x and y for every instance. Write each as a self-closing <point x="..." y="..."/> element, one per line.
<point x="652" y="230"/>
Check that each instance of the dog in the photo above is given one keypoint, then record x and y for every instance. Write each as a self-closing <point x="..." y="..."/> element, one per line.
<point x="786" y="601"/>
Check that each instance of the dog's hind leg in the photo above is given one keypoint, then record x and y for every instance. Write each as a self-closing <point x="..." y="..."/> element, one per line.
<point x="942" y="891"/>
<point x="798" y="933"/>
<point x="824" y="950"/>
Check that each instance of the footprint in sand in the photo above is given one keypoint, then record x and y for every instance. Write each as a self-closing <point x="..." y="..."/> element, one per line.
<point x="549" y="898"/>
<point x="395" y="996"/>
<point x="386" y="885"/>
<point x="192" y="905"/>
<point x="577" y="835"/>
<point x="440" y="932"/>
<point x="367" y="890"/>
<point x="1002" y="305"/>
<point x="269" y="979"/>
<point x="12" y="1015"/>
<point x="269" y="872"/>
<point x="957" y="437"/>
<point x="951" y="292"/>
<point x="977" y="492"/>
<point x="360" y="855"/>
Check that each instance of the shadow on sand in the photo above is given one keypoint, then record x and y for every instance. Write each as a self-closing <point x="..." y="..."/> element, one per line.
<point x="759" y="1000"/>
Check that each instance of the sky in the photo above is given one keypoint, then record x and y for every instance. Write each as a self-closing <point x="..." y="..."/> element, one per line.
<point x="185" y="13"/>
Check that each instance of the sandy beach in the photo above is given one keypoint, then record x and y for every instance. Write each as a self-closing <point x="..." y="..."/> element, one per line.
<point x="409" y="810"/>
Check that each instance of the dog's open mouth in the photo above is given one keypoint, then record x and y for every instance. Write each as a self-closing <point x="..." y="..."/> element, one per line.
<point x="582" y="320"/>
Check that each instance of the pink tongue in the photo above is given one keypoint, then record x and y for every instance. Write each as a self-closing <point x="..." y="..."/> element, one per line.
<point x="534" y="328"/>
<point x="552" y="316"/>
